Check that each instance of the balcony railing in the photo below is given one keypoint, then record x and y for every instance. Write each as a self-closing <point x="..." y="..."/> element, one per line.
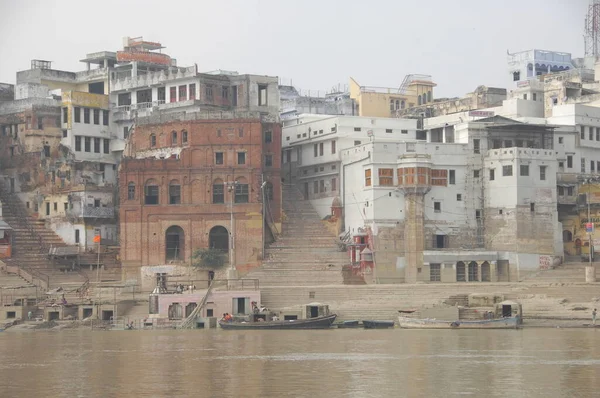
<point x="93" y="212"/>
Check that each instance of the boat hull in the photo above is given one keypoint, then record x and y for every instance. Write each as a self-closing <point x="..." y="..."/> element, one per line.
<point x="323" y="322"/>
<point x="378" y="324"/>
<point x="502" y="323"/>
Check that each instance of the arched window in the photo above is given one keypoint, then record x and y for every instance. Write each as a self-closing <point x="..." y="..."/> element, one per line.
<point x="174" y="241"/>
<point x="241" y="191"/>
<point x="152" y="140"/>
<point x="419" y="100"/>
<point x="402" y="104"/>
<point x="218" y="190"/>
<point x="174" y="192"/>
<point x="218" y="238"/>
<point x="173" y="137"/>
<point x="397" y="104"/>
<point x="131" y="191"/>
<point x="184" y="137"/>
<point x="151" y="192"/>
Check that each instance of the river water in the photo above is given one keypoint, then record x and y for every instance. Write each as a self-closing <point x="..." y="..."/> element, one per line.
<point x="320" y="363"/>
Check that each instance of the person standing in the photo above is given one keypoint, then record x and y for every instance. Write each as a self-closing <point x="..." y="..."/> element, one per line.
<point x="594" y="317"/>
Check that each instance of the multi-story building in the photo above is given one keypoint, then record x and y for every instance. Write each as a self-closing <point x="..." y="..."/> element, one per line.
<point x="335" y="102"/>
<point x="479" y="206"/>
<point x="312" y="145"/>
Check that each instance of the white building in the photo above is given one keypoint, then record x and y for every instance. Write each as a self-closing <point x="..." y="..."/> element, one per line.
<point x="312" y="144"/>
<point x="479" y="206"/>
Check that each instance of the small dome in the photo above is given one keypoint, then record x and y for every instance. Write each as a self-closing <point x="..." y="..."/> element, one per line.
<point x="336" y="202"/>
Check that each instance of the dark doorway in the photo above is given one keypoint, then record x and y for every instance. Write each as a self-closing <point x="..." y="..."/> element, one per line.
<point x="107" y="315"/>
<point x="473" y="272"/>
<point x="461" y="275"/>
<point x="53" y="316"/>
<point x="211" y="275"/>
<point x="189" y="309"/>
<point x="506" y="311"/>
<point x="241" y="305"/>
<point x="209" y="312"/>
<point x="314" y="312"/>
<point x="175" y="311"/>
<point x="174" y="243"/>
<point x="218" y="238"/>
<point x="87" y="312"/>
<point x="440" y="241"/>
<point x="290" y="317"/>
<point x="96" y="88"/>
<point x="12" y="185"/>
<point x="485" y="272"/>
<point x="503" y="271"/>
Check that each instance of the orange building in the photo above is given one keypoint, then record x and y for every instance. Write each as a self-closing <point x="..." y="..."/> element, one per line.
<point x="197" y="184"/>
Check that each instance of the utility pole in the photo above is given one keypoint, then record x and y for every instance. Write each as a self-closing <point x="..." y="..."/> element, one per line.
<point x="590" y="231"/>
<point x="232" y="273"/>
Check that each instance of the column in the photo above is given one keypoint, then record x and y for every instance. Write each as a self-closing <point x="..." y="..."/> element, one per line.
<point x="479" y="271"/>
<point x="493" y="271"/>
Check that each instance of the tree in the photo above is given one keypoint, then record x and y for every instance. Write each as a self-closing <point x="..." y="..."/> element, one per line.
<point x="208" y="258"/>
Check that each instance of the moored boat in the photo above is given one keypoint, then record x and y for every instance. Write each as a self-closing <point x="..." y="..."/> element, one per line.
<point x="378" y="324"/>
<point x="500" y="323"/>
<point x="322" y="322"/>
<point x="347" y="325"/>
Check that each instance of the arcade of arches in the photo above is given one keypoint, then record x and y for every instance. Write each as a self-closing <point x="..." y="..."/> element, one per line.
<point x="464" y="271"/>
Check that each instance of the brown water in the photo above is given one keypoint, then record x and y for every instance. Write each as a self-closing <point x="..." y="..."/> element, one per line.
<point x="327" y="363"/>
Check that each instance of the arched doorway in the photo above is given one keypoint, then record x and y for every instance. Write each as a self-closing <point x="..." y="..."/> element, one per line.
<point x="461" y="275"/>
<point x="189" y="309"/>
<point x="485" y="272"/>
<point x="174" y="241"/>
<point x="473" y="272"/>
<point x="567" y="236"/>
<point x="218" y="238"/>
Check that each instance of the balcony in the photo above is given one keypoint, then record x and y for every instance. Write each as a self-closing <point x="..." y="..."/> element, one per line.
<point x="93" y="212"/>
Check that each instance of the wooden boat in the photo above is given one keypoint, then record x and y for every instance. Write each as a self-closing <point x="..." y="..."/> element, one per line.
<point x="348" y="325"/>
<point x="378" y="324"/>
<point x="322" y="322"/>
<point x="415" y="323"/>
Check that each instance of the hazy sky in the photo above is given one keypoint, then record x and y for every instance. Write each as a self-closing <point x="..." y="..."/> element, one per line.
<point x="318" y="44"/>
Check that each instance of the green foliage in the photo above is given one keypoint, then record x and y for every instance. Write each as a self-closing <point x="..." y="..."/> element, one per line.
<point x="208" y="258"/>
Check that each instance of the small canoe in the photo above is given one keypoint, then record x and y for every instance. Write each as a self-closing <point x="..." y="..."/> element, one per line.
<point x="415" y="323"/>
<point x="378" y="324"/>
<point x="348" y="325"/>
<point x="322" y="322"/>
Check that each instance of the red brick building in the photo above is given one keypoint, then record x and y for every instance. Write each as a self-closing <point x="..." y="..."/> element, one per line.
<point x="176" y="190"/>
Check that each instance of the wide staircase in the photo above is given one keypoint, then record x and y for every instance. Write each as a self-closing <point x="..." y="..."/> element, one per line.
<point x="31" y="244"/>
<point x="306" y="253"/>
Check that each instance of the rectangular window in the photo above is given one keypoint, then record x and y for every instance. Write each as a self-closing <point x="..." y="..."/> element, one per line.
<point x="192" y="91"/>
<point x="435" y="272"/>
<point x="386" y="177"/>
<point x="151" y="194"/>
<point x="106" y="145"/>
<point x="507" y="171"/>
<point x="542" y="173"/>
<point x="182" y="93"/>
<point x="403" y="131"/>
<point x="357" y="128"/>
<point x="268" y="160"/>
<point x="389" y="130"/>
<point x="172" y="94"/>
<point x="77" y="114"/>
<point x="208" y="93"/>
<point x="234" y="96"/>
<point x="241" y="158"/>
<point x="218" y="193"/>
<point x="322" y="186"/>
<point x="77" y="143"/>
<point x="76" y="236"/>
<point x="332" y="146"/>
<point x="560" y="191"/>
<point x="475" y="173"/>
<point x="321" y="149"/>
<point x="174" y="194"/>
<point x="583" y="165"/>
<point x="268" y="137"/>
<point x="437" y="207"/>
<point x="569" y="191"/>
<point x="96" y="202"/>
<point x="105" y="117"/>
<point x="524" y="170"/>
<point x="597" y="133"/>
<point x="582" y="133"/>
<point x="476" y="146"/>
<point x="534" y="96"/>
<point x="592" y="166"/>
<point x="161" y="95"/>
<point x="356" y="143"/>
<point x="458" y="197"/>
<point x="531" y="206"/>
<point x="525" y="96"/>
<point x="96" y="116"/>
<point x="96" y="145"/>
<point x="125" y="132"/>
<point x="152" y="140"/>
<point x="184" y="137"/>
<point x="225" y="92"/>
<point x="316" y="150"/>
<point x="218" y="157"/>
<point x="452" y="177"/>
<point x="86" y="115"/>
<point x="560" y="140"/>
<point x="598" y="165"/>
<point x="508" y="144"/>
<point x="591" y="133"/>
<point x="333" y="184"/>
<point x="65" y="115"/>
<point x="368" y="177"/>
<point x="569" y="161"/>
<point x="88" y="144"/>
<point x="131" y="191"/>
<point x="241" y="193"/>
<point x="262" y="95"/>
<point x="315" y="187"/>
<point x="173" y="137"/>
<point x="65" y="133"/>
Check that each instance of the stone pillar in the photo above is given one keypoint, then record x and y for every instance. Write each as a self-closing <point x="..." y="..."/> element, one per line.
<point x="590" y="274"/>
<point x="493" y="271"/>
<point x="414" y="234"/>
<point x="444" y="134"/>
